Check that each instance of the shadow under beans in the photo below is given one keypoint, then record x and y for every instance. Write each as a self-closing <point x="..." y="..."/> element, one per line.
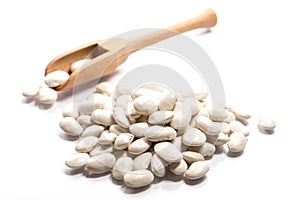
<point x="172" y="177"/>
<point x="266" y="132"/>
<point x="196" y="181"/>
<point x="130" y="190"/>
<point x="43" y="106"/>
<point x="219" y="149"/>
<point x="234" y="154"/>
<point x="29" y="100"/>
<point x="93" y="175"/>
<point x="67" y="137"/>
<point x="157" y="180"/>
<point x="73" y="172"/>
<point x="115" y="181"/>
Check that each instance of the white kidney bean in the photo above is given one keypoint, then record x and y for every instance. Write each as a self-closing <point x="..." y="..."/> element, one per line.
<point x="167" y="101"/>
<point x="86" y="144"/>
<point x="95" y="101"/>
<point x="207" y="149"/>
<point x="178" y="144"/>
<point x="117" y="129"/>
<point x="226" y="129"/>
<point x="100" y="163"/>
<point x="237" y="142"/>
<point x="201" y="95"/>
<point x="77" y="160"/>
<point x="131" y="112"/>
<point x="191" y="156"/>
<point x="138" y="178"/>
<point x="107" y="138"/>
<point x="207" y="126"/>
<point x="182" y="116"/>
<point x="236" y="126"/>
<point x="178" y="168"/>
<point x="146" y="92"/>
<point x="103" y="117"/>
<point x="229" y="116"/>
<point x="123" y="141"/>
<point x="31" y="91"/>
<point x="93" y="130"/>
<point x="267" y="124"/>
<point x="193" y="137"/>
<point x="221" y="139"/>
<point x="142" y="161"/>
<point x="56" y="78"/>
<point x="100" y="149"/>
<point x="158" y="166"/>
<point x="160" y="117"/>
<point x="139" y="146"/>
<point x="120" y="117"/>
<point x="159" y="133"/>
<point x="85" y="120"/>
<point x="70" y="111"/>
<point x="238" y="114"/>
<point x="47" y="95"/>
<point x="145" y="105"/>
<point x="138" y="129"/>
<point x="168" y="152"/>
<point x="154" y="86"/>
<point x="79" y="64"/>
<point x="197" y="170"/>
<point x="122" y="101"/>
<point x="122" y="166"/>
<point x="104" y="88"/>
<point x="70" y="126"/>
<point x="193" y="104"/>
<point x="216" y="112"/>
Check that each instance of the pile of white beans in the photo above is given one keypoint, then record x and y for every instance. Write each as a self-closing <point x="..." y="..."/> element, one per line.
<point x="139" y="135"/>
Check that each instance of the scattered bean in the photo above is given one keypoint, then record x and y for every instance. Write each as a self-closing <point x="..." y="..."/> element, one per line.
<point x="191" y="156"/>
<point x="193" y="137"/>
<point x="168" y="152"/>
<point x="237" y="142"/>
<point x="31" y="91"/>
<point x="100" y="163"/>
<point x="139" y="146"/>
<point x="123" y="141"/>
<point x="142" y="161"/>
<point x="86" y="144"/>
<point x="47" y="95"/>
<point x="197" y="170"/>
<point x="158" y="166"/>
<point x="122" y="166"/>
<point x="93" y="130"/>
<point x="77" y="160"/>
<point x="70" y="126"/>
<point x="138" y="178"/>
<point x="178" y="168"/>
<point x="267" y="124"/>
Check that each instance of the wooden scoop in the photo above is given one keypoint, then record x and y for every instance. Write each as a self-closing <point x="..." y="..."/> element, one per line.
<point x="107" y="55"/>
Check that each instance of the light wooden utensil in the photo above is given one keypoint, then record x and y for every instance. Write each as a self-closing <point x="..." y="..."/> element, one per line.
<point x="107" y="55"/>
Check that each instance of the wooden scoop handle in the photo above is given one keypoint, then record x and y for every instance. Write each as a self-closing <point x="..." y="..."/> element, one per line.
<point x="206" y="19"/>
<point x="117" y="50"/>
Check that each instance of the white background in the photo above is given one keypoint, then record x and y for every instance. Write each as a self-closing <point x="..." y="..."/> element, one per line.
<point x="255" y="47"/>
